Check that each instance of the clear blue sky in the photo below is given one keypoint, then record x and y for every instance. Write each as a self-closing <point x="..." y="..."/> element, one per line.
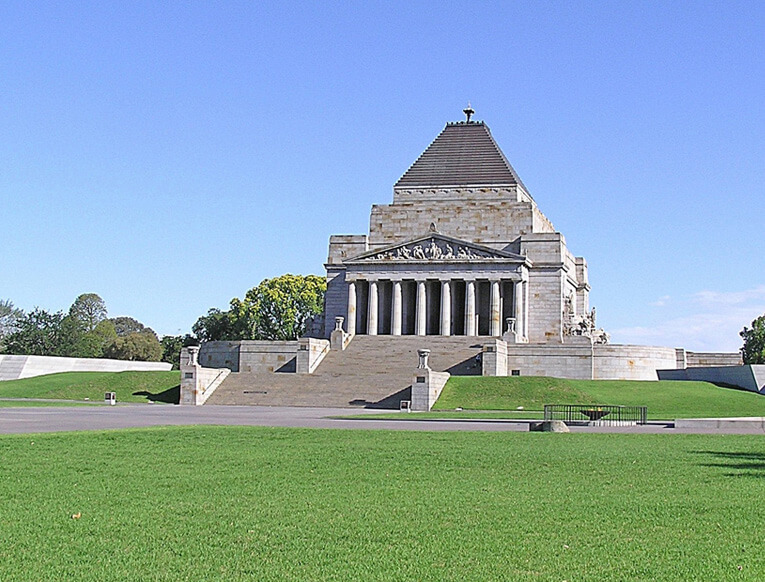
<point x="171" y="155"/>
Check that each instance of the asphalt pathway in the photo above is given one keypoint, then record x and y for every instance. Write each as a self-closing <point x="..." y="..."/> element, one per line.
<point x="54" y="419"/>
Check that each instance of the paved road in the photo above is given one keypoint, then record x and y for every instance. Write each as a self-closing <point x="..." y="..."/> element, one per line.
<point x="29" y="420"/>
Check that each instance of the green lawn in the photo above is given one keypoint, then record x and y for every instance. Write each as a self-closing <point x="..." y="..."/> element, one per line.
<point x="129" y="386"/>
<point x="665" y="399"/>
<point x="242" y="503"/>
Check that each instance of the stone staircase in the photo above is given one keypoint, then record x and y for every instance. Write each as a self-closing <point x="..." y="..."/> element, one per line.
<point x="372" y="372"/>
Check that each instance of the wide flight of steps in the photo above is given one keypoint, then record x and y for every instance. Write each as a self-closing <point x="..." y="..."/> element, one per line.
<point x="373" y="372"/>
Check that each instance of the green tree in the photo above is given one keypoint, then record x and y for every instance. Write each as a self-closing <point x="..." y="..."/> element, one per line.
<point x="71" y="334"/>
<point x="85" y="331"/>
<point x="278" y="308"/>
<point x="89" y="309"/>
<point x="753" y="350"/>
<point x="143" y="347"/>
<point x="78" y="343"/>
<point x="9" y="317"/>
<point x="171" y="348"/>
<point x="126" y="325"/>
<point x="37" y="333"/>
<point x="217" y="325"/>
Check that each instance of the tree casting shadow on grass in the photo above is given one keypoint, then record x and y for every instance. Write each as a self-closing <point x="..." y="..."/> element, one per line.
<point x="744" y="464"/>
<point x="169" y="396"/>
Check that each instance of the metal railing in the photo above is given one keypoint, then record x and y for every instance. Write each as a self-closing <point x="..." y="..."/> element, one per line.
<point x="599" y="414"/>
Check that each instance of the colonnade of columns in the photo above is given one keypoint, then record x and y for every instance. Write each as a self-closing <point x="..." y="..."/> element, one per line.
<point x="437" y="307"/>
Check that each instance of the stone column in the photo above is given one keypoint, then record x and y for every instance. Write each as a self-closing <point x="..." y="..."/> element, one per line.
<point x="470" y="308"/>
<point x="519" y="309"/>
<point x="446" y="307"/>
<point x="422" y="314"/>
<point x="351" y="308"/>
<point x="372" y="312"/>
<point x="395" y="321"/>
<point x="495" y="328"/>
<point x="526" y="309"/>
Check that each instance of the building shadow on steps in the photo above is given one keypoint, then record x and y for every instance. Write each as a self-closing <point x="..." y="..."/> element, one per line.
<point x="288" y="368"/>
<point x="169" y="396"/>
<point x="392" y="402"/>
<point x="470" y="367"/>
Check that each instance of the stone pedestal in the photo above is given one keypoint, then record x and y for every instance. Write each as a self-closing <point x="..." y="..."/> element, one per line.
<point x="198" y="383"/>
<point x="311" y="352"/>
<point x="426" y="384"/>
<point x="426" y="388"/>
<point x="339" y="340"/>
<point x="494" y="358"/>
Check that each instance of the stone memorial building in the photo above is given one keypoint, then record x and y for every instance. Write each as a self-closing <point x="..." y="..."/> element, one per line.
<point x="463" y="250"/>
<point x="462" y="267"/>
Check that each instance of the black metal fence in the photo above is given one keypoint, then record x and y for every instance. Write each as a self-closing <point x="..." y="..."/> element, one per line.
<point x="604" y="415"/>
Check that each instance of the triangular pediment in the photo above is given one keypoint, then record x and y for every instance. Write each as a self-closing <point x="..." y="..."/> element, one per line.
<point x="436" y="247"/>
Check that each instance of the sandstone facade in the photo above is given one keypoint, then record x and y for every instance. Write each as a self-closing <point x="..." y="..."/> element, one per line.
<point x="463" y="249"/>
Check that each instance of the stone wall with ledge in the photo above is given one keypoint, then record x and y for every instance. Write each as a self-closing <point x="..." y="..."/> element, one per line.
<point x="628" y="362"/>
<point x="695" y="359"/>
<point x="571" y="360"/>
<point x="250" y="356"/>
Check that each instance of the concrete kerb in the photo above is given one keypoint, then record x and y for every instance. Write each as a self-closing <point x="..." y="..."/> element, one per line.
<point x="741" y="423"/>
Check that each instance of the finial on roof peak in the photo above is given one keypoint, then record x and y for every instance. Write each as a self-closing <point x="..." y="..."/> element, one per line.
<point x="468" y="112"/>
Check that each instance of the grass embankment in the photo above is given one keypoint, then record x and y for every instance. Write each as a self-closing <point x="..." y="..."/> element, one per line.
<point x="242" y="503"/>
<point x="664" y="399"/>
<point x="129" y="386"/>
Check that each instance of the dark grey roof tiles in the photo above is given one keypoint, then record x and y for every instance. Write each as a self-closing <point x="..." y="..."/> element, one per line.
<point x="463" y="154"/>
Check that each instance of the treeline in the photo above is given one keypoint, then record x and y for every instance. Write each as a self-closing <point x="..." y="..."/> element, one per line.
<point x="277" y="309"/>
<point x="85" y="331"/>
<point x="280" y="308"/>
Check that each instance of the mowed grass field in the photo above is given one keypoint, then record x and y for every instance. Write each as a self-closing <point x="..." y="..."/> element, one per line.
<point x="129" y="386"/>
<point x="243" y="503"/>
<point x="665" y="399"/>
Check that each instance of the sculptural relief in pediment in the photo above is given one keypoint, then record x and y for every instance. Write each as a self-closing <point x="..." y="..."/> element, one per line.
<point x="434" y="249"/>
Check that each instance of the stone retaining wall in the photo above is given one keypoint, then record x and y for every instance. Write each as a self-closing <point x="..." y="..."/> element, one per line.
<point x="628" y="362"/>
<point x="695" y="359"/>
<point x="14" y="367"/>
<point x="250" y="356"/>
<point x="579" y="359"/>
<point x="748" y="377"/>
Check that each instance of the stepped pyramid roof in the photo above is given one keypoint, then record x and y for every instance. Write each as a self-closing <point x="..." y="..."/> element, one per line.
<point x="463" y="154"/>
